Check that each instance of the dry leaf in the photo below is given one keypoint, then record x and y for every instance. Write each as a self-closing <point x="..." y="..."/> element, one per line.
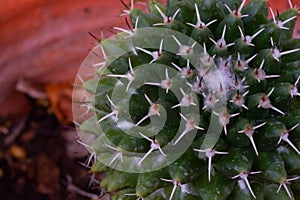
<point x="60" y="96"/>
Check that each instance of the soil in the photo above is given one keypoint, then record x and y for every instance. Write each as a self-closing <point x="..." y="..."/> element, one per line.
<point x="40" y="159"/>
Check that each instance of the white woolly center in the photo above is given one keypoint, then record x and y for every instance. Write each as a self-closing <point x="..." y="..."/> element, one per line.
<point x="212" y="81"/>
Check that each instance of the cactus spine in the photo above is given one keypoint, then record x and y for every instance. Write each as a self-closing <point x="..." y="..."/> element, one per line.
<point x="197" y="100"/>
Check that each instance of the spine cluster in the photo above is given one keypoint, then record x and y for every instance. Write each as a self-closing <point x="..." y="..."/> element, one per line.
<point x="192" y="83"/>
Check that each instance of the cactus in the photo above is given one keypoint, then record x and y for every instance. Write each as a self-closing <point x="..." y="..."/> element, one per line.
<point x="196" y="100"/>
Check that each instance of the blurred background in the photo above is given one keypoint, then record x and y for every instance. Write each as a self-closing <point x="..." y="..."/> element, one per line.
<point x="42" y="46"/>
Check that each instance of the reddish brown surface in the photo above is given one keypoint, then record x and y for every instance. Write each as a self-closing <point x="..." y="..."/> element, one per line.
<point x="46" y="41"/>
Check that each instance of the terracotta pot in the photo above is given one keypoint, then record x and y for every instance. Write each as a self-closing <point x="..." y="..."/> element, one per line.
<point x="46" y="41"/>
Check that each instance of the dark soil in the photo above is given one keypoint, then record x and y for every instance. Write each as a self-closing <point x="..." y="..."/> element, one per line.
<point x="36" y="161"/>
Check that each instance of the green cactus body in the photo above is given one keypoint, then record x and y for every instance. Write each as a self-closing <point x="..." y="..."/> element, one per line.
<point x="198" y="100"/>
